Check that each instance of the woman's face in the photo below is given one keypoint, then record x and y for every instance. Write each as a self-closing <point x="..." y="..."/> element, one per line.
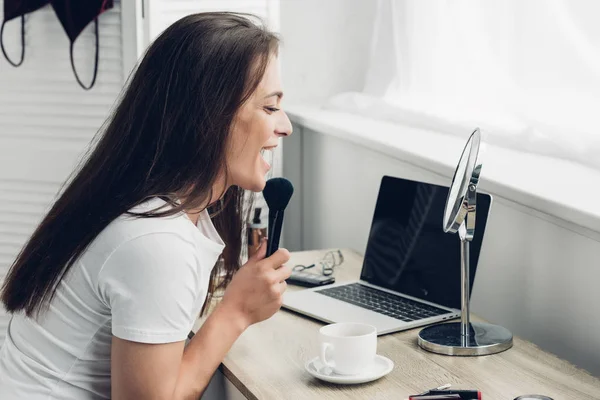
<point x="257" y="127"/>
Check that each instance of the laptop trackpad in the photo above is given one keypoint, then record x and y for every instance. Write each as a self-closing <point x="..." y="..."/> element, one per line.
<point x="328" y="309"/>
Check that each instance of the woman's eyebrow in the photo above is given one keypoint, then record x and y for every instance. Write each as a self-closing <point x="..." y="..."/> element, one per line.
<point x="278" y="94"/>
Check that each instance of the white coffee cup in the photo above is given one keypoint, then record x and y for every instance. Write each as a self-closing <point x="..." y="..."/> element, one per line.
<point x="348" y="348"/>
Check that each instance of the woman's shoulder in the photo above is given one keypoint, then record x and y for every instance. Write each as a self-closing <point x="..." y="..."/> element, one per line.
<point x="129" y="228"/>
<point x="129" y="225"/>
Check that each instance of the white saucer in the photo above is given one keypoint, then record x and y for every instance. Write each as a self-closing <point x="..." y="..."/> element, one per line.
<point x="381" y="366"/>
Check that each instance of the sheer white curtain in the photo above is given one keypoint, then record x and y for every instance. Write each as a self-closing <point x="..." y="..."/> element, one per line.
<point x="526" y="71"/>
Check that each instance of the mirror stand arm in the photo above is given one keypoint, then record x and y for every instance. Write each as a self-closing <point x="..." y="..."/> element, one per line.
<point x="465" y="290"/>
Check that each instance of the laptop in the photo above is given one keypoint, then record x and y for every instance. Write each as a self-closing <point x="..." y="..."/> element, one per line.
<point x="410" y="275"/>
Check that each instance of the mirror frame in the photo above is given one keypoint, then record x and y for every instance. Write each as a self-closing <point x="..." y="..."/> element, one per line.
<point x="464" y="205"/>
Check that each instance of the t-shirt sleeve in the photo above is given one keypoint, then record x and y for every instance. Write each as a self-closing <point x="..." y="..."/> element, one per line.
<point x="150" y="285"/>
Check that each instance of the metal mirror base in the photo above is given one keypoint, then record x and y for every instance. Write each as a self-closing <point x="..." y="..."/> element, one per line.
<point x="484" y="339"/>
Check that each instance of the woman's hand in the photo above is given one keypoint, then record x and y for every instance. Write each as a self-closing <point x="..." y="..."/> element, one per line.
<point x="255" y="292"/>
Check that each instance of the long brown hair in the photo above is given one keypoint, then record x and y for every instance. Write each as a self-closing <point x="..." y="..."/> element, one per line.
<point x="167" y="136"/>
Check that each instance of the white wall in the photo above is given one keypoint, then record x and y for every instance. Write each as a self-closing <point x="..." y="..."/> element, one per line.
<point x="536" y="278"/>
<point x="325" y="47"/>
<point x="324" y="51"/>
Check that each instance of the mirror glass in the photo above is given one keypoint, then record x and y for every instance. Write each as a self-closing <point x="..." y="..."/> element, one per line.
<point x="453" y="217"/>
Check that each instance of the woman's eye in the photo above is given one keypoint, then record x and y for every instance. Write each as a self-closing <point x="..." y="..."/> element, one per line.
<point x="271" y="109"/>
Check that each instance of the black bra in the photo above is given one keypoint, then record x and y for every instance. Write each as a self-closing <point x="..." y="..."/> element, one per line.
<point x="74" y="16"/>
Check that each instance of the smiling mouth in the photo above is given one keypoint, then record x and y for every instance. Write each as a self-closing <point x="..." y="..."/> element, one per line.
<point x="267" y="154"/>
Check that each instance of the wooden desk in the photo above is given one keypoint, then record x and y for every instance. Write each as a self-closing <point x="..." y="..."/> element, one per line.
<point x="267" y="362"/>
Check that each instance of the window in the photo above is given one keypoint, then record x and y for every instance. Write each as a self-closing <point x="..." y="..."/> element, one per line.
<point x="526" y="72"/>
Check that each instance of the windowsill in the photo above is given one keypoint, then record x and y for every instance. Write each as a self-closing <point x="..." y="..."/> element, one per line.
<point x="526" y="179"/>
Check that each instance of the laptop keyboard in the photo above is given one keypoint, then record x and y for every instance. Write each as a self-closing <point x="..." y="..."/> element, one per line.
<point x="382" y="302"/>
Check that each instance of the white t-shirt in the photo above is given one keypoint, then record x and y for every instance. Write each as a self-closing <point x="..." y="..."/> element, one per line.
<point x="143" y="280"/>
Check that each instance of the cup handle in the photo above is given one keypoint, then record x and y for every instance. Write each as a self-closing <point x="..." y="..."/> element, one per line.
<point x="324" y="347"/>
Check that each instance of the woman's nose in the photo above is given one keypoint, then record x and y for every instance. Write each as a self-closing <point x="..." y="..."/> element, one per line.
<point x="284" y="127"/>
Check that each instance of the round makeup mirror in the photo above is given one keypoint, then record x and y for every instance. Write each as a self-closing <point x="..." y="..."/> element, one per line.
<point x="463" y="186"/>
<point x="465" y="338"/>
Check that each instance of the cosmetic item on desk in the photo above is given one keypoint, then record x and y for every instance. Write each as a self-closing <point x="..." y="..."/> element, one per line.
<point x="443" y="392"/>
<point x="277" y="194"/>
<point x="256" y="230"/>
<point x="462" y="394"/>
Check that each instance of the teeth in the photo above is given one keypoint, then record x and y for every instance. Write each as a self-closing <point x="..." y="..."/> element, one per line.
<point x="266" y="153"/>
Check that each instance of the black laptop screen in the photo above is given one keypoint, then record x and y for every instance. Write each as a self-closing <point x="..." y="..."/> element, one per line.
<point x="408" y="250"/>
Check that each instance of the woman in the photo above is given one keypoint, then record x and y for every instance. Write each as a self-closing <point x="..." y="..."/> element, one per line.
<point x="108" y="287"/>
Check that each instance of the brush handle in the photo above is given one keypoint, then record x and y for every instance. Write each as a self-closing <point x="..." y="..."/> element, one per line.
<point x="274" y="231"/>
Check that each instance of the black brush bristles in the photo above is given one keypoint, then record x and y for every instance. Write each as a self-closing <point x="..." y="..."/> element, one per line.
<point x="277" y="193"/>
